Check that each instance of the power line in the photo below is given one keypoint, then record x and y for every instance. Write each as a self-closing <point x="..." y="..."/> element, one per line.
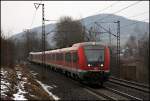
<point x="33" y="18"/>
<point x="109" y="6"/>
<point x="127" y="7"/>
<point x="135" y="16"/>
<point x="138" y="14"/>
<point x="121" y="10"/>
<point x="118" y="11"/>
<point x="132" y="23"/>
<point x="34" y="15"/>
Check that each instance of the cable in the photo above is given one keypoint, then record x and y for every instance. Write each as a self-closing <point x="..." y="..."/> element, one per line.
<point x="132" y="23"/>
<point x="138" y="14"/>
<point x="127" y="7"/>
<point x="33" y="18"/>
<point x="109" y="6"/>
<point x="118" y="11"/>
<point x="34" y="15"/>
<point x="121" y="10"/>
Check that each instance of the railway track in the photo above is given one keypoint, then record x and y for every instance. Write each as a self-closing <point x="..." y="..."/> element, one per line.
<point x="133" y="85"/>
<point x="106" y="93"/>
<point x="124" y="94"/>
<point x="111" y="94"/>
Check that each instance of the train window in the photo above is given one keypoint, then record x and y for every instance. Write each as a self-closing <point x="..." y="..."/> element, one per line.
<point x="68" y="57"/>
<point x="53" y="56"/>
<point x="49" y="56"/>
<point x="75" y="57"/>
<point x="94" y="55"/>
<point x="57" y="56"/>
<point x="60" y="56"/>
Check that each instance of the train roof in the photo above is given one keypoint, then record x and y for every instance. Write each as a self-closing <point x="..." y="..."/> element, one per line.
<point x="88" y="43"/>
<point x="73" y="48"/>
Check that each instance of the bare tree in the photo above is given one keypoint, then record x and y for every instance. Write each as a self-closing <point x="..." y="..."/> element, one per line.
<point x="143" y="48"/>
<point x="91" y="34"/>
<point x="7" y="51"/>
<point x="68" y="32"/>
<point x="132" y="46"/>
<point x="31" y="43"/>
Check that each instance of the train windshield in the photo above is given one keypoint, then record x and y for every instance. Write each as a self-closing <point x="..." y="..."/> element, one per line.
<point x="94" y="55"/>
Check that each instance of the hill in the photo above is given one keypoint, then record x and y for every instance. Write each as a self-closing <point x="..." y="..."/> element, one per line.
<point x="127" y="29"/>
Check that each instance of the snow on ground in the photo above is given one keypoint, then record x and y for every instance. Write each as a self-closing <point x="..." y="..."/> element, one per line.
<point x="19" y="88"/>
<point x="33" y="73"/>
<point x="4" y="83"/>
<point x="46" y="88"/>
<point x="20" y="85"/>
<point x="19" y="95"/>
<point x="3" y="72"/>
<point x="4" y="88"/>
<point x="21" y="91"/>
<point x="19" y="74"/>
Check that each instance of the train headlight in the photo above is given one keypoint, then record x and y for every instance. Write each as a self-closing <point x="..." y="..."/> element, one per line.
<point x="89" y="65"/>
<point x="102" y="65"/>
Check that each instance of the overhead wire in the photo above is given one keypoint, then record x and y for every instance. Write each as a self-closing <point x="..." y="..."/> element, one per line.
<point x="138" y="14"/>
<point x="126" y="8"/>
<point x="34" y="15"/>
<point x="120" y="10"/>
<point x="33" y="18"/>
<point x="109" y="6"/>
<point x="126" y="26"/>
<point x="132" y="23"/>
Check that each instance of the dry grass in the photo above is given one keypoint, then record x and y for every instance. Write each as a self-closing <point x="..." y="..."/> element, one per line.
<point x="11" y="78"/>
<point x="38" y="92"/>
<point x="34" y="89"/>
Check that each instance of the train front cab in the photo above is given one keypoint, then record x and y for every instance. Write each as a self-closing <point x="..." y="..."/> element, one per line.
<point x="94" y="63"/>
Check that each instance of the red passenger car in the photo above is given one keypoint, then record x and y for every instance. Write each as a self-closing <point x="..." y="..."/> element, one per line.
<point x="88" y="61"/>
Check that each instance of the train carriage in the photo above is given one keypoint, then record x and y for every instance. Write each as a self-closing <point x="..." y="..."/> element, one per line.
<point x="88" y="61"/>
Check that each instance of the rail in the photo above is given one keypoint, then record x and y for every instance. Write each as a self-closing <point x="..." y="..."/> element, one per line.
<point x="134" y="85"/>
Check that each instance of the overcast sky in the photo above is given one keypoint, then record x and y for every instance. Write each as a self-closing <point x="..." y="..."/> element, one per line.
<point x="18" y="15"/>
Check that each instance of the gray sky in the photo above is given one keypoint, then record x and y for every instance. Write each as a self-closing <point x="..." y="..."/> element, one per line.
<point x="17" y="15"/>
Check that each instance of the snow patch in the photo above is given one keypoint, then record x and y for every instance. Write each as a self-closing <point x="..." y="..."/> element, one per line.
<point x="46" y="87"/>
<point x="21" y="91"/>
<point x="24" y="79"/>
<point x="4" y="87"/>
<point x="3" y="72"/>
<point x="32" y="72"/>
<point x="19" y="95"/>
<point x="4" y="83"/>
<point x="32" y="95"/>
<point x="19" y="74"/>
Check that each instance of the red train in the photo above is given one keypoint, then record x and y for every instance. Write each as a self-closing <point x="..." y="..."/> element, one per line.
<point x="88" y="61"/>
